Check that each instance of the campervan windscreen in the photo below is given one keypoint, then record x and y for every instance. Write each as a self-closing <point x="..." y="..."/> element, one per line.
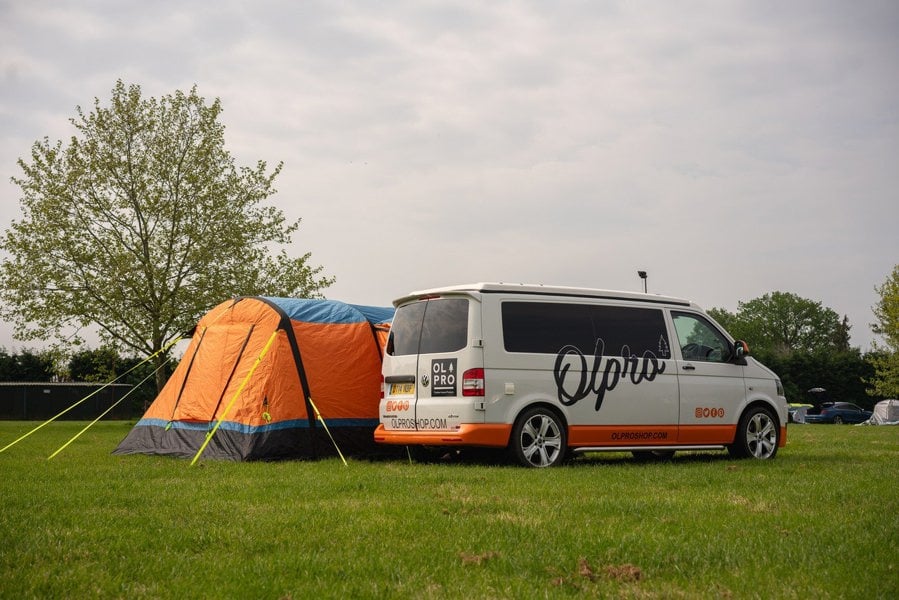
<point x="429" y="327"/>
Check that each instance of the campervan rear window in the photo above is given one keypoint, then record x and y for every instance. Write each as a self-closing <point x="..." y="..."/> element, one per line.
<point x="547" y="327"/>
<point x="429" y="327"/>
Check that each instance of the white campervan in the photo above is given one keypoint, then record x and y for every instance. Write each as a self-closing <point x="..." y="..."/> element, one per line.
<point x="543" y="370"/>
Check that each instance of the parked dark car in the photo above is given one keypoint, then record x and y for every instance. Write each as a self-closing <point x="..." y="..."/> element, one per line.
<point x="837" y="413"/>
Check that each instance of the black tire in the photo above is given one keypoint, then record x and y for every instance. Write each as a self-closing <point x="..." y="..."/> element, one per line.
<point x="838" y="420"/>
<point x="758" y="435"/>
<point x="653" y="455"/>
<point x="539" y="438"/>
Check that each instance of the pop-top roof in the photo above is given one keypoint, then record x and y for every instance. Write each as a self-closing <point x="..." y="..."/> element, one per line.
<point x="544" y="290"/>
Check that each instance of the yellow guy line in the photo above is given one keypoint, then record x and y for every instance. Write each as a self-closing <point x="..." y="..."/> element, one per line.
<point x="107" y="411"/>
<point x="243" y="384"/>
<point x="107" y="384"/>
<point x="318" y="415"/>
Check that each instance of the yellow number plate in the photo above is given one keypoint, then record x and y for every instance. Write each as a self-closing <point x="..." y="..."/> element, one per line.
<point x="402" y="389"/>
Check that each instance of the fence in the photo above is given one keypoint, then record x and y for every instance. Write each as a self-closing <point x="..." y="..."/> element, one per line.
<point x="38" y="401"/>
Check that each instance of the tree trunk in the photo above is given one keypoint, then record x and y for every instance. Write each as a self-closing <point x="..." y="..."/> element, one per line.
<point x="159" y="362"/>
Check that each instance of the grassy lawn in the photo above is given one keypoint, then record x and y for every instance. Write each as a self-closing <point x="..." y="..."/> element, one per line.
<point x="821" y="520"/>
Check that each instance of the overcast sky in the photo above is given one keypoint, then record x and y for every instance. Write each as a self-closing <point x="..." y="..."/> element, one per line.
<point x="730" y="149"/>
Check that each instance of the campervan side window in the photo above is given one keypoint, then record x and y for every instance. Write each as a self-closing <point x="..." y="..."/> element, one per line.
<point x="547" y="327"/>
<point x="699" y="339"/>
<point x="429" y="327"/>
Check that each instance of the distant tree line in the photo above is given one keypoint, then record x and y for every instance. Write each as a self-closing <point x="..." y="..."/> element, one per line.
<point x="807" y="345"/>
<point x="26" y="366"/>
<point x="102" y="365"/>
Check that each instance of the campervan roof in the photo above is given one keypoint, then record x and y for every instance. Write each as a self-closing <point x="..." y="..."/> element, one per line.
<point x="543" y="290"/>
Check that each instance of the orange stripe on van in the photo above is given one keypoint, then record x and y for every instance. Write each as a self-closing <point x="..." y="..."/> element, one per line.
<point x="497" y="435"/>
<point x="494" y="435"/>
<point x="717" y="434"/>
<point x="622" y="435"/>
<point x="707" y="434"/>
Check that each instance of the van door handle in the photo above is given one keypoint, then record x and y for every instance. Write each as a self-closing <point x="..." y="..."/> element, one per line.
<point x="688" y="368"/>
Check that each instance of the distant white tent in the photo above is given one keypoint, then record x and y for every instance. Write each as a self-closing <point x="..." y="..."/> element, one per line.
<point x="886" y="412"/>
<point x="799" y="414"/>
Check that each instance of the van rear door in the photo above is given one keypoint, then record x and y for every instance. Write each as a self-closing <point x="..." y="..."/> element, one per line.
<point x="431" y="368"/>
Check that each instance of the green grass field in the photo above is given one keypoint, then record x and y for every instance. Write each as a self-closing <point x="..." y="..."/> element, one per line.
<point x="819" y="521"/>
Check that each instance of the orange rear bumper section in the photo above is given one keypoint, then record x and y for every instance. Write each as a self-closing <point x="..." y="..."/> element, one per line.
<point x="494" y="435"/>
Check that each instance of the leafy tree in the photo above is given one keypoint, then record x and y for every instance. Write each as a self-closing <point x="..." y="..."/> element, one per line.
<point x="840" y="341"/>
<point x="99" y="366"/>
<point x="140" y="224"/>
<point x="885" y="358"/>
<point x="26" y="366"/>
<point x="781" y="323"/>
<point x="104" y="365"/>
<point x="726" y="319"/>
<point x="805" y="343"/>
<point x="841" y="374"/>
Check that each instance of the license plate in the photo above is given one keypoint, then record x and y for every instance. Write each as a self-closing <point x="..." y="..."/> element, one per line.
<point x="402" y="389"/>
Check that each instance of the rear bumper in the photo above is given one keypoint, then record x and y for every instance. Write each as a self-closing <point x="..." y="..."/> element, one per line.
<point x="494" y="435"/>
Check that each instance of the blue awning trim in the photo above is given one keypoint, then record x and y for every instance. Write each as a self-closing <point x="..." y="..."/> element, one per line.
<point x="330" y="311"/>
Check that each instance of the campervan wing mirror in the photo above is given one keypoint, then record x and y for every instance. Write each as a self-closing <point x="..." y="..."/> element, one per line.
<point x="741" y="349"/>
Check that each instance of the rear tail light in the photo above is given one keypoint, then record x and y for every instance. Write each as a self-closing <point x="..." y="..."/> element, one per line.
<point x="473" y="382"/>
<point x="382" y="386"/>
